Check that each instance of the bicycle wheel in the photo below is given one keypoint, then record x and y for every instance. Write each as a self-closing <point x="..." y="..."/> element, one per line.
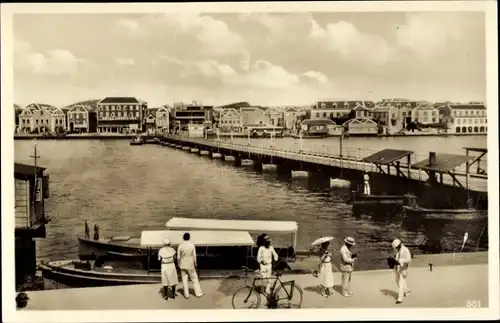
<point x="289" y="295"/>
<point x="246" y="297"/>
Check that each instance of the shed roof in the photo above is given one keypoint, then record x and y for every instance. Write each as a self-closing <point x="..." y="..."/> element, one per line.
<point x="387" y="156"/>
<point x="477" y="149"/>
<point x="26" y="170"/>
<point x="232" y="225"/>
<point x="443" y="163"/>
<point x="198" y="238"/>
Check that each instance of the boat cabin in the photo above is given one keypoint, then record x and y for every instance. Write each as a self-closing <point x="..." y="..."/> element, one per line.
<point x="252" y="226"/>
<point x="214" y="249"/>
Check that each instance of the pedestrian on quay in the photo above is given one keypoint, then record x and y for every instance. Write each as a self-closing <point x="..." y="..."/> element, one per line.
<point x="325" y="270"/>
<point x="186" y="256"/>
<point x="403" y="260"/>
<point x="265" y="256"/>
<point x="169" y="276"/>
<point x="347" y="260"/>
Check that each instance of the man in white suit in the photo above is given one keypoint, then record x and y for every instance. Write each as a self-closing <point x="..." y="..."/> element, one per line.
<point x="403" y="259"/>
<point x="186" y="257"/>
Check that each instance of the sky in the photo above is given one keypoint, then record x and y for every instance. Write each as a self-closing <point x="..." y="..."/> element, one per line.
<point x="261" y="58"/>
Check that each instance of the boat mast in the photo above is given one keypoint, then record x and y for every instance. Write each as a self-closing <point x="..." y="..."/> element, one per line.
<point x="35" y="157"/>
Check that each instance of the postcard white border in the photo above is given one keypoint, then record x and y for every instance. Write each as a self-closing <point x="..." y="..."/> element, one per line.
<point x="8" y="305"/>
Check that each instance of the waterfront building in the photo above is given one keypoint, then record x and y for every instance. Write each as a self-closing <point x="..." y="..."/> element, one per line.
<point x="41" y="118"/>
<point x="274" y="114"/>
<point x="425" y="113"/>
<point x="333" y="109"/>
<point x="364" y="126"/>
<point x="120" y="115"/>
<point x="363" y="111"/>
<point x="82" y="119"/>
<point x="469" y="118"/>
<point x="230" y="120"/>
<point x="150" y="120"/>
<point x="255" y="116"/>
<point x="31" y="188"/>
<point x="290" y="116"/>
<point x="394" y="115"/>
<point x="162" y="118"/>
<point x="313" y="127"/>
<point x="193" y="114"/>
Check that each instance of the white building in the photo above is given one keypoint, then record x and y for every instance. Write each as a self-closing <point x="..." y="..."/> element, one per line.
<point x="43" y="118"/>
<point x="468" y="118"/>
<point x="230" y="120"/>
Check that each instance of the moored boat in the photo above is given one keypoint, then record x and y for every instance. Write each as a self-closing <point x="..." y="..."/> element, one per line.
<point x="137" y="141"/>
<point x="446" y="214"/>
<point x="220" y="254"/>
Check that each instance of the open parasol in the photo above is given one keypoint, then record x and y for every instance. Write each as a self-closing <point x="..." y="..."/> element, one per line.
<point x="321" y="240"/>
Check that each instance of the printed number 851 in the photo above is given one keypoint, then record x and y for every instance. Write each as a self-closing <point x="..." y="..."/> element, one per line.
<point x="474" y="304"/>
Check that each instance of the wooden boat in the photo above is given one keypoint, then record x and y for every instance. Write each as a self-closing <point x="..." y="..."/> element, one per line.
<point x="446" y="214"/>
<point x="376" y="200"/>
<point x="137" y="141"/>
<point x="127" y="248"/>
<point x="220" y="254"/>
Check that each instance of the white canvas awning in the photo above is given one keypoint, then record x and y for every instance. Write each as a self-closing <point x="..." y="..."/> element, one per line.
<point x="232" y="225"/>
<point x="199" y="238"/>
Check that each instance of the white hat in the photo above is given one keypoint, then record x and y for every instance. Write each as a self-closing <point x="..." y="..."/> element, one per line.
<point x="396" y="243"/>
<point x="350" y="241"/>
<point x="166" y="242"/>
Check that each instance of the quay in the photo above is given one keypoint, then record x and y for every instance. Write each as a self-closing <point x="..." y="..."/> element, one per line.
<point x="89" y="136"/>
<point x="452" y="282"/>
<point x="390" y="170"/>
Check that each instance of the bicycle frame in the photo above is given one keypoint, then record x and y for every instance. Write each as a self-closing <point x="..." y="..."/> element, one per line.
<point x="273" y="287"/>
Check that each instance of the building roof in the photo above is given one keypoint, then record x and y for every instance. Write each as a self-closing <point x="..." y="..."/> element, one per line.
<point x="318" y="122"/>
<point x="110" y="99"/>
<point x="27" y="170"/>
<point x="468" y="106"/>
<point x="343" y="104"/>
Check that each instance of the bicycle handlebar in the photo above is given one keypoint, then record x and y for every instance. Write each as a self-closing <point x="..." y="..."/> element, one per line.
<point x="278" y="274"/>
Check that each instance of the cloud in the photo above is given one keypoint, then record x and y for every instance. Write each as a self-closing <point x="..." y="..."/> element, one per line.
<point x="124" y="61"/>
<point x="129" y="26"/>
<point x="320" y="77"/>
<point x="428" y="34"/>
<point x="351" y="44"/>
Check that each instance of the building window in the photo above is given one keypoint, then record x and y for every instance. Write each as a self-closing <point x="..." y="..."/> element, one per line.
<point x="466" y="112"/>
<point x="433" y="120"/>
<point x="481" y="129"/>
<point x="112" y="114"/>
<point x="101" y="114"/>
<point x="137" y="114"/>
<point x="464" y="129"/>
<point x="470" y="121"/>
<point x="476" y="129"/>
<point x="459" y="120"/>
<point x="457" y="129"/>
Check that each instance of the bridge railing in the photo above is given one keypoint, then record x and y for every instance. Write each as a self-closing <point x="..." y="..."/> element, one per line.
<point x="351" y="158"/>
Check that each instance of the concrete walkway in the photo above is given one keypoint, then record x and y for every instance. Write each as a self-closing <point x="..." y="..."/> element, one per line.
<point x="444" y="287"/>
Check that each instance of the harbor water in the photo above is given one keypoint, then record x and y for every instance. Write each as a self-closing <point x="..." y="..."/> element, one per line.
<point x="127" y="189"/>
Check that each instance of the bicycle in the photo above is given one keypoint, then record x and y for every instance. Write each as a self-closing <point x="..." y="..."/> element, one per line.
<point x="280" y="297"/>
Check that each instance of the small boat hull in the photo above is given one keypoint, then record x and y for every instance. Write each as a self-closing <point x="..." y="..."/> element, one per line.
<point x="446" y="214"/>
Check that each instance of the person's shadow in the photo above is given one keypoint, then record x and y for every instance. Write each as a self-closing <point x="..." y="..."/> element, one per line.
<point x="389" y="293"/>
<point x="319" y="290"/>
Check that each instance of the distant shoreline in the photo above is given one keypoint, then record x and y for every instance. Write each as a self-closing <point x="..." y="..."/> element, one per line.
<point x="224" y="135"/>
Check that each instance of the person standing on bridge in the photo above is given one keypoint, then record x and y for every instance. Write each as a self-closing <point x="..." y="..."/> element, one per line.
<point x="265" y="257"/>
<point x="186" y="256"/>
<point x="366" y="186"/>
<point x="347" y="260"/>
<point x="403" y="259"/>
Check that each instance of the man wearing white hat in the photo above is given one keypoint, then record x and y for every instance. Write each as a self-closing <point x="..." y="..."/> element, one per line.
<point x="168" y="271"/>
<point x="403" y="259"/>
<point x="347" y="259"/>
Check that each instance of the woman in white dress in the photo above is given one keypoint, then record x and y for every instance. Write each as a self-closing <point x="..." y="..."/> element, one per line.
<point x="325" y="270"/>
<point x="169" y="276"/>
